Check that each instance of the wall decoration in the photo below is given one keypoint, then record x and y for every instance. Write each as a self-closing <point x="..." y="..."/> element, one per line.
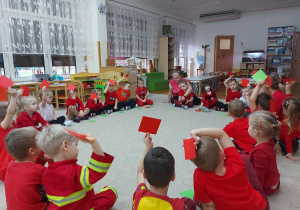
<point x="102" y="9"/>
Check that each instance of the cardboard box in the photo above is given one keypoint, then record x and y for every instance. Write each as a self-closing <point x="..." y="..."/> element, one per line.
<point x="256" y="65"/>
<point x="250" y="66"/>
<point x="261" y="66"/>
<point x="243" y="66"/>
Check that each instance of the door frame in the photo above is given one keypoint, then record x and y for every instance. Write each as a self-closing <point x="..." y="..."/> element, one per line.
<point x="294" y="54"/>
<point x="216" y="47"/>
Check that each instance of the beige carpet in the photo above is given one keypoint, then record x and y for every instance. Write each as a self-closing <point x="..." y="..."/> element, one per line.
<point x="118" y="135"/>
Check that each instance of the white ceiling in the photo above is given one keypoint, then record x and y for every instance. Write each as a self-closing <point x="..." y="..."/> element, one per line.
<point x="192" y="9"/>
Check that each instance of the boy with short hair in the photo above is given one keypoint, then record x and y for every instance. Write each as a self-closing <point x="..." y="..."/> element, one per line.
<point x="141" y="94"/>
<point x="238" y="129"/>
<point x="157" y="165"/>
<point x="72" y="187"/>
<point x="221" y="180"/>
<point x="24" y="177"/>
<point x="123" y="95"/>
<point x="111" y="99"/>
<point x="260" y="97"/>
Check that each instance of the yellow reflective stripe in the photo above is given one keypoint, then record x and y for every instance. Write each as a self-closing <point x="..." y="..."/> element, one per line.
<point x="92" y="208"/>
<point x="109" y="188"/>
<point x="84" y="177"/>
<point x="98" y="166"/>
<point x="76" y="196"/>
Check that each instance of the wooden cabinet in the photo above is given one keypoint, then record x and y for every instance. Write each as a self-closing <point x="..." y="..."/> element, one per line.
<point x="247" y="68"/>
<point x="166" y="56"/>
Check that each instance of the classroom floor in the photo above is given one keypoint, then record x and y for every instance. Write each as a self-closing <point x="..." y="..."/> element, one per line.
<point x="118" y="135"/>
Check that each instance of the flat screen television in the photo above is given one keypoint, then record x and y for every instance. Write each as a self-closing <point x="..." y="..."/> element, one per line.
<point x="253" y="56"/>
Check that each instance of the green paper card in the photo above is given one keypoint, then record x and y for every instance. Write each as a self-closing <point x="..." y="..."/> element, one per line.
<point x="188" y="194"/>
<point x="121" y="111"/>
<point x="172" y="109"/>
<point x="151" y="106"/>
<point x="222" y="114"/>
<point x="260" y="75"/>
<point x="104" y="115"/>
<point x="139" y="108"/>
<point x="91" y="121"/>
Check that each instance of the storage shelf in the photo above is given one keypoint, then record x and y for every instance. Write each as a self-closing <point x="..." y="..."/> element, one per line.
<point x="279" y="55"/>
<point x="253" y="62"/>
<point x="285" y="36"/>
<point x="280" y="46"/>
<point x="280" y="64"/>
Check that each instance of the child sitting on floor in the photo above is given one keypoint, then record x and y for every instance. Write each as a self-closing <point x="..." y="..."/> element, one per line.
<point x="23" y="183"/>
<point x="28" y="114"/>
<point x="123" y="95"/>
<point x="75" y="107"/>
<point x="111" y="99"/>
<point x="157" y="165"/>
<point x="184" y="101"/>
<point x="289" y="127"/>
<point x="222" y="183"/>
<point x="6" y="115"/>
<point x="47" y="109"/>
<point x="95" y="106"/>
<point x="209" y="97"/>
<point x="232" y="93"/>
<point x="260" y="97"/>
<point x="238" y="129"/>
<point x="263" y="125"/>
<point x="71" y="179"/>
<point x="141" y="94"/>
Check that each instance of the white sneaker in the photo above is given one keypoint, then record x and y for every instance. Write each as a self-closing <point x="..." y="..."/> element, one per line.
<point x="136" y="106"/>
<point x="68" y="123"/>
<point x="122" y="109"/>
<point x="185" y="107"/>
<point x="128" y="107"/>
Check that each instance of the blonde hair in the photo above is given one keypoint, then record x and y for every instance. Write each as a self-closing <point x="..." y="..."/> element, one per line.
<point x="19" y="141"/>
<point x="236" y="108"/>
<point x="268" y="124"/>
<point x="3" y="110"/>
<point x="207" y="154"/>
<point x="47" y="92"/>
<point x="292" y="108"/>
<point x="51" y="138"/>
<point x="24" y="101"/>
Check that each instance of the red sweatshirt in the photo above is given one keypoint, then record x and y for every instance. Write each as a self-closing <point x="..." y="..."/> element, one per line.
<point x="206" y="96"/>
<point x="286" y="136"/>
<point x="232" y="95"/>
<point x="24" y="120"/>
<point x="75" y="102"/>
<point x="94" y="106"/>
<point x="278" y="99"/>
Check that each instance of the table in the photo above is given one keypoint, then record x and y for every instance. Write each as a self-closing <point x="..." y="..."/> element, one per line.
<point x="55" y="88"/>
<point x="199" y="80"/>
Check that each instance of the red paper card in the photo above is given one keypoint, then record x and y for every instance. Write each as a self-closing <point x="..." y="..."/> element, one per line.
<point x="25" y="91"/>
<point x="82" y="136"/>
<point x="122" y="74"/>
<point x="147" y="107"/>
<point x="93" y="96"/>
<point x="71" y="87"/>
<point x="272" y="105"/>
<point x="3" y="95"/>
<point x="268" y="80"/>
<point x="245" y="82"/>
<point x="230" y="73"/>
<point x="149" y="124"/>
<point x="254" y="72"/>
<point x="198" y="110"/>
<point x="126" y="75"/>
<point x="112" y="82"/>
<point x="45" y="83"/>
<point x="289" y="80"/>
<point x="5" y="82"/>
<point x="189" y="149"/>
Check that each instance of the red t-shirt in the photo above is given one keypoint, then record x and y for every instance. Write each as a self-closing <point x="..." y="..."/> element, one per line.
<point x="22" y="186"/>
<point x="74" y="102"/>
<point x="24" y="120"/>
<point x="141" y="92"/>
<point x="145" y="199"/>
<point x="94" y="106"/>
<point x="206" y="96"/>
<point x="5" y="157"/>
<point x="232" y="190"/>
<point x="238" y="129"/>
<point x="263" y="159"/>
<point x="181" y="93"/>
<point x="232" y="95"/>
<point x="123" y="94"/>
<point x="278" y="99"/>
<point x="110" y="98"/>
<point x="286" y="136"/>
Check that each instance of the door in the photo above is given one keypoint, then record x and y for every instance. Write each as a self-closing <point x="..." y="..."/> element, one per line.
<point x="296" y="60"/>
<point x="223" y="53"/>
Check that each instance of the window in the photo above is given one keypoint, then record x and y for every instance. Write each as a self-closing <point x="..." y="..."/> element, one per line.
<point x="63" y="64"/>
<point x="27" y="65"/>
<point x="1" y="65"/>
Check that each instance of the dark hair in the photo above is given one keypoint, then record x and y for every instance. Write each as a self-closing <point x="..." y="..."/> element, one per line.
<point x="183" y="82"/>
<point x="140" y="80"/>
<point x="75" y="90"/>
<point x="292" y="107"/>
<point x="236" y="108"/>
<point x="19" y="141"/>
<point x="263" y="100"/>
<point x="3" y="110"/>
<point x="203" y="86"/>
<point x="159" y="167"/>
<point x="232" y="80"/>
<point x="275" y="80"/>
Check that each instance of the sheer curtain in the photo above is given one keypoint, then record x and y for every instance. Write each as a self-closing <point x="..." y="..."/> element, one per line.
<point x="131" y="32"/>
<point x="44" y="26"/>
<point x="184" y="37"/>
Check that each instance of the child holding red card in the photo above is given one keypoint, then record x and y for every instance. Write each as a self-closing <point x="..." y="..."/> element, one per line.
<point x="23" y="182"/>
<point x="224" y="179"/>
<point x="184" y="101"/>
<point x="65" y="179"/>
<point x="6" y="115"/>
<point x="157" y="165"/>
<point x="209" y="97"/>
<point x="95" y="104"/>
<point x="47" y="109"/>
<point x="28" y="114"/>
<point x="75" y="108"/>
<point x="141" y="94"/>
<point x="123" y="95"/>
<point x="111" y="98"/>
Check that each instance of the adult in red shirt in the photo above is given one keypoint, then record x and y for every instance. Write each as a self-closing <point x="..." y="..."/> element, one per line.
<point x="141" y="94"/>
<point x="209" y="97"/>
<point x="95" y="105"/>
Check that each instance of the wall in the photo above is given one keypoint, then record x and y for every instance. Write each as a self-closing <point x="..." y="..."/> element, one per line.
<point x="251" y="29"/>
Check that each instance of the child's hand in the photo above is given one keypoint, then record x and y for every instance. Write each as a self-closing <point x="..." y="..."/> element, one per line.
<point x="95" y="100"/>
<point x="115" y="108"/>
<point x="148" y="140"/>
<point x="224" y="102"/>
<point x="288" y="85"/>
<point x="44" y="88"/>
<point x="195" y="134"/>
<point x="81" y="113"/>
<point x="212" y="98"/>
<point x="89" y="138"/>
<point x="13" y="92"/>
<point x="290" y="156"/>
<point x="261" y="83"/>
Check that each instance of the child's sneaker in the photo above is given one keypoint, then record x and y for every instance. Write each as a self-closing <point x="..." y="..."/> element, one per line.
<point x="68" y="123"/>
<point x="205" y="109"/>
<point x="185" y="107"/>
<point x="136" y="106"/>
<point x="108" y="111"/>
<point x="128" y="107"/>
<point x="85" y="117"/>
<point x="174" y="105"/>
<point x="222" y="110"/>
<point x="92" y="114"/>
<point x="218" y="109"/>
<point x="215" y="108"/>
<point x="122" y="109"/>
<point x="76" y="119"/>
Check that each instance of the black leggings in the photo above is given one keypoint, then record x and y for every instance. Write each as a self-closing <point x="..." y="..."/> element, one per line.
<point x="123" y="104"/>
<point x="196" y="100"/>
<point x="59" y="120"/>
<point x="97" y="111"/>
<point x="220" y="106"/>
<point x="295" y="145"/>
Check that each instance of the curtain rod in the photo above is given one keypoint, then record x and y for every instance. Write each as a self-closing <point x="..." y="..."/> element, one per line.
<point x="179" y="20"/>
<point x="135" y="7"/>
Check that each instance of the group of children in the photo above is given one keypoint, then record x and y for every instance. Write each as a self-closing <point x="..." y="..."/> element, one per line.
<point x="230" y="174"/>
